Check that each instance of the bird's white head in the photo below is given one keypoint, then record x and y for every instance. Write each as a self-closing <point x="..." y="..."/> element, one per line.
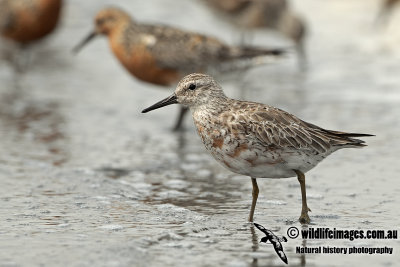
<point x="193" y="90"/>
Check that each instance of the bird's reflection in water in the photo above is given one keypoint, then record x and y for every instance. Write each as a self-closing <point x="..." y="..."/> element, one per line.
<point x="181" y="141"/>
<point x="303" y="244"/>
<point x="255" y="246"/>
<point x="114" y="173"/>
<point x="38" y="122"/>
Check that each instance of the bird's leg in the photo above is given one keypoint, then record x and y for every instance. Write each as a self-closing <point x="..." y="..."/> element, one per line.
<point x="182" y="112"/>
<point x="22" y="59"/>
<point x="304" y="219"/>
<point x="255" y="196"/>
<point x="301" y="56"/>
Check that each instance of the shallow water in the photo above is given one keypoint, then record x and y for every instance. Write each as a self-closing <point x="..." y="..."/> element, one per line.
<point x="87" y="180"/>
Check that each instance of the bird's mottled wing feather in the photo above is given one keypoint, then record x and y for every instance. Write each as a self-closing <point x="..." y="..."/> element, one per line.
<point x="280" y="129"/>
<point x="188" y="52"/>
<point x="191" y="52"/>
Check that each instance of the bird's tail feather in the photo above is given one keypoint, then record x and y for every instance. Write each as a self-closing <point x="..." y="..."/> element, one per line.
<point x="251" y="51"/>
<point x="349" y="137"/>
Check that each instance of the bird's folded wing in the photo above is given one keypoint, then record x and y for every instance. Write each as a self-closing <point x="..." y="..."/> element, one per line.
<point x="277" y="128"/>
<point x="178" y="49"/>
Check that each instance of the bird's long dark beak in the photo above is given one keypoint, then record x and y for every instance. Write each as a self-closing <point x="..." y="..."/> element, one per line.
<point x="165" y="102"/>
<point x="87" y="39"/>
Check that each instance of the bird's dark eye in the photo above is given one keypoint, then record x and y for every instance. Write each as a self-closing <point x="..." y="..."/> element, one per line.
<point x="192" y="86"/>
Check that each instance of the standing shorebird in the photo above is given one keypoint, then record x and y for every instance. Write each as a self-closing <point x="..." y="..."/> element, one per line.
<point x="27" y="21"/>
<point x="162" y="55"/>
<point x="253" y="139"/>
<point x="268" y="14"/>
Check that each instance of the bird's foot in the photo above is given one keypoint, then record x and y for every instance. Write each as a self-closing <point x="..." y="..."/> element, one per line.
<point x="251" y="220"/>
<point x="304" y="218"/>
<point x="178" y="128"/>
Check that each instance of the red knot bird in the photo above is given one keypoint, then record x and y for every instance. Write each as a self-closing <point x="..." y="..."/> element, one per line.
<point x="269" y="14"/>
<point x="254" y="139"/>
<point x="162" y="55"/>
<point x="26" y="21"/>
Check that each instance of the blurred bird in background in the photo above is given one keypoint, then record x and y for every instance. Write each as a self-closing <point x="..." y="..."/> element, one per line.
<point x="162" y="55"/>
<point x="269" y="14"/>
<point x="27" y="21"/>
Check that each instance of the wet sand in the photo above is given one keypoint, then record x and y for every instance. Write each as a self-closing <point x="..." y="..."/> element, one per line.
<point x="87" y="180"/>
